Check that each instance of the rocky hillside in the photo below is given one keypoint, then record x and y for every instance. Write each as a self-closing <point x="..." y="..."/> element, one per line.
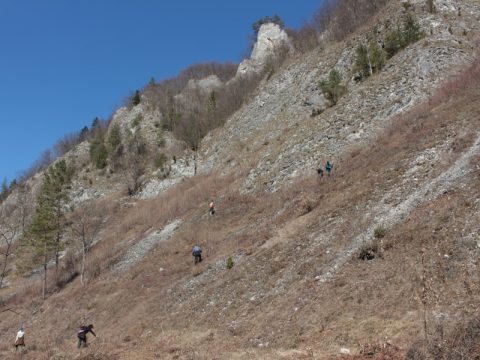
<point x="378" y="260"/>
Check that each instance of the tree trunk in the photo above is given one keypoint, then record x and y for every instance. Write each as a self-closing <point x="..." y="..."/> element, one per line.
<point x="195" y="163"/>
<point x="84" y="258"/>
<point x="424" y="297"/>
<point x="44" y="288"/>
<point x="57" y="256"/>
<point x="3" y="273"/>
<point x="370" y="70"/>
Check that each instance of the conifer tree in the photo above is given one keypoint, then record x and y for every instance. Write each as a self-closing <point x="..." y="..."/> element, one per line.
<point x="332" y="88"/>
<point x="114" y="139"/>
<point x="55" y="190"/>
<point x="41" y="237"/>
<point x="45" y="232"/>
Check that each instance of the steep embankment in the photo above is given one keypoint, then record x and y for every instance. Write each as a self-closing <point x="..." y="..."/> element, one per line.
<point x="310" y="276"/>
<point x="419" y="179"/>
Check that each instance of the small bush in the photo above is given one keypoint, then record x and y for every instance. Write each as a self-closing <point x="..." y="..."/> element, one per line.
<point x="379" y="232"/>
<point x="332" y="88"/>
<point x="136" y="98"/>
<point x="98" y="153"/>
<point x="114" y="138"/>
<point x="370" y="59"/>
<point x="138" y="119"/>
<point x="229" y="263"/>
<point x="403" y="36"/>
<point x="368" y="251"/>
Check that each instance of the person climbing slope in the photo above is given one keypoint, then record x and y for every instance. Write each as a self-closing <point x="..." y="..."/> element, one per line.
<point x="20" y="339"/>
<point x="197" y="254"/>
<point x="82" y="335"/>
<point x="328" y="167"/>
<point x="211" y="208"/>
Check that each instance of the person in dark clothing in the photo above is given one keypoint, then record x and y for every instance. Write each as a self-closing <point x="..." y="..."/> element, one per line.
<point x="328" y="167"/>
<point x="320" y="172"/>
<point x="82" y="335"/>
<point x="197" y="254"/>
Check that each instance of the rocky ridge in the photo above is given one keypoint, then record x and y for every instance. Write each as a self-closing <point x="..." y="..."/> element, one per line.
<point x="285" y="103"/>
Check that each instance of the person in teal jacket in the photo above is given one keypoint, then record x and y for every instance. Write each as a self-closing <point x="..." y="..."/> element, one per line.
<point x="328" y="167"/>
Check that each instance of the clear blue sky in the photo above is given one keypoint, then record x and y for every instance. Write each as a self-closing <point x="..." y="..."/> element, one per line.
<point x="64" y="62"/>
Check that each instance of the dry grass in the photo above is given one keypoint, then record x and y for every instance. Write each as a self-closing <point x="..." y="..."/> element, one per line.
<point x="164" y="307"/>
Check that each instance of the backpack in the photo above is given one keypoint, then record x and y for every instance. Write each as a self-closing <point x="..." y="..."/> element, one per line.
<point x="196" y="250"/>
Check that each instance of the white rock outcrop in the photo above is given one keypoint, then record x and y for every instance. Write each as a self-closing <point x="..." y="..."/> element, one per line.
<point x="271" y="37"/>
<point x="206" y="85"/>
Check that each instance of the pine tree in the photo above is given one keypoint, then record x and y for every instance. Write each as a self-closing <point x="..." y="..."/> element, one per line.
<point x="55" y="190"/>
<point x="4" y="190"/>
<point x="46" y="230"/>
<point x="41" y="237"/>
<point x="114" y="139"/>
<point x="136" y="98"/>
<point x="332" y="88"/>
<point x="212" y="101"/>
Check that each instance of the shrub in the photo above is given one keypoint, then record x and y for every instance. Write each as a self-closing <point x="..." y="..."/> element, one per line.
<point x="136" y="98"/>
<point x="98" y="153"/>
<point x="379" y="232"/>
<point x="114" y="138"/>
<point x="138" y="119"/>
<point x="411" y="30"/>
<point x="370" y="59"/>
<point x="393" y="42"/>
<point x="229" y="263"/>
<point x="403" y="36"/>
<point x="368" y="251"/>
<point x="331" y="88"/>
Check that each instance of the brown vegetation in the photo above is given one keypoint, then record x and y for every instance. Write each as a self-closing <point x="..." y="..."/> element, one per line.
<point x="341" y="18"/>
<point x="270" y="233"/>
<point x="421" y="280"/>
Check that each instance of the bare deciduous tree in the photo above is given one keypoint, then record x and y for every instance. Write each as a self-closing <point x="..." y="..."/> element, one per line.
<point x="10" y="228"/>
<point x="85" y="228"/>
<point x="24" y="203"/>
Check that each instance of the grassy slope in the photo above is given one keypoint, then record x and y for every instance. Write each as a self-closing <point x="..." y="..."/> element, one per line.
<point x="270" y="305"/>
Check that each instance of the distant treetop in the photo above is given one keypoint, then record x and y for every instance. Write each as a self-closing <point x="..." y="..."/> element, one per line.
<point x="275" y="19"/>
